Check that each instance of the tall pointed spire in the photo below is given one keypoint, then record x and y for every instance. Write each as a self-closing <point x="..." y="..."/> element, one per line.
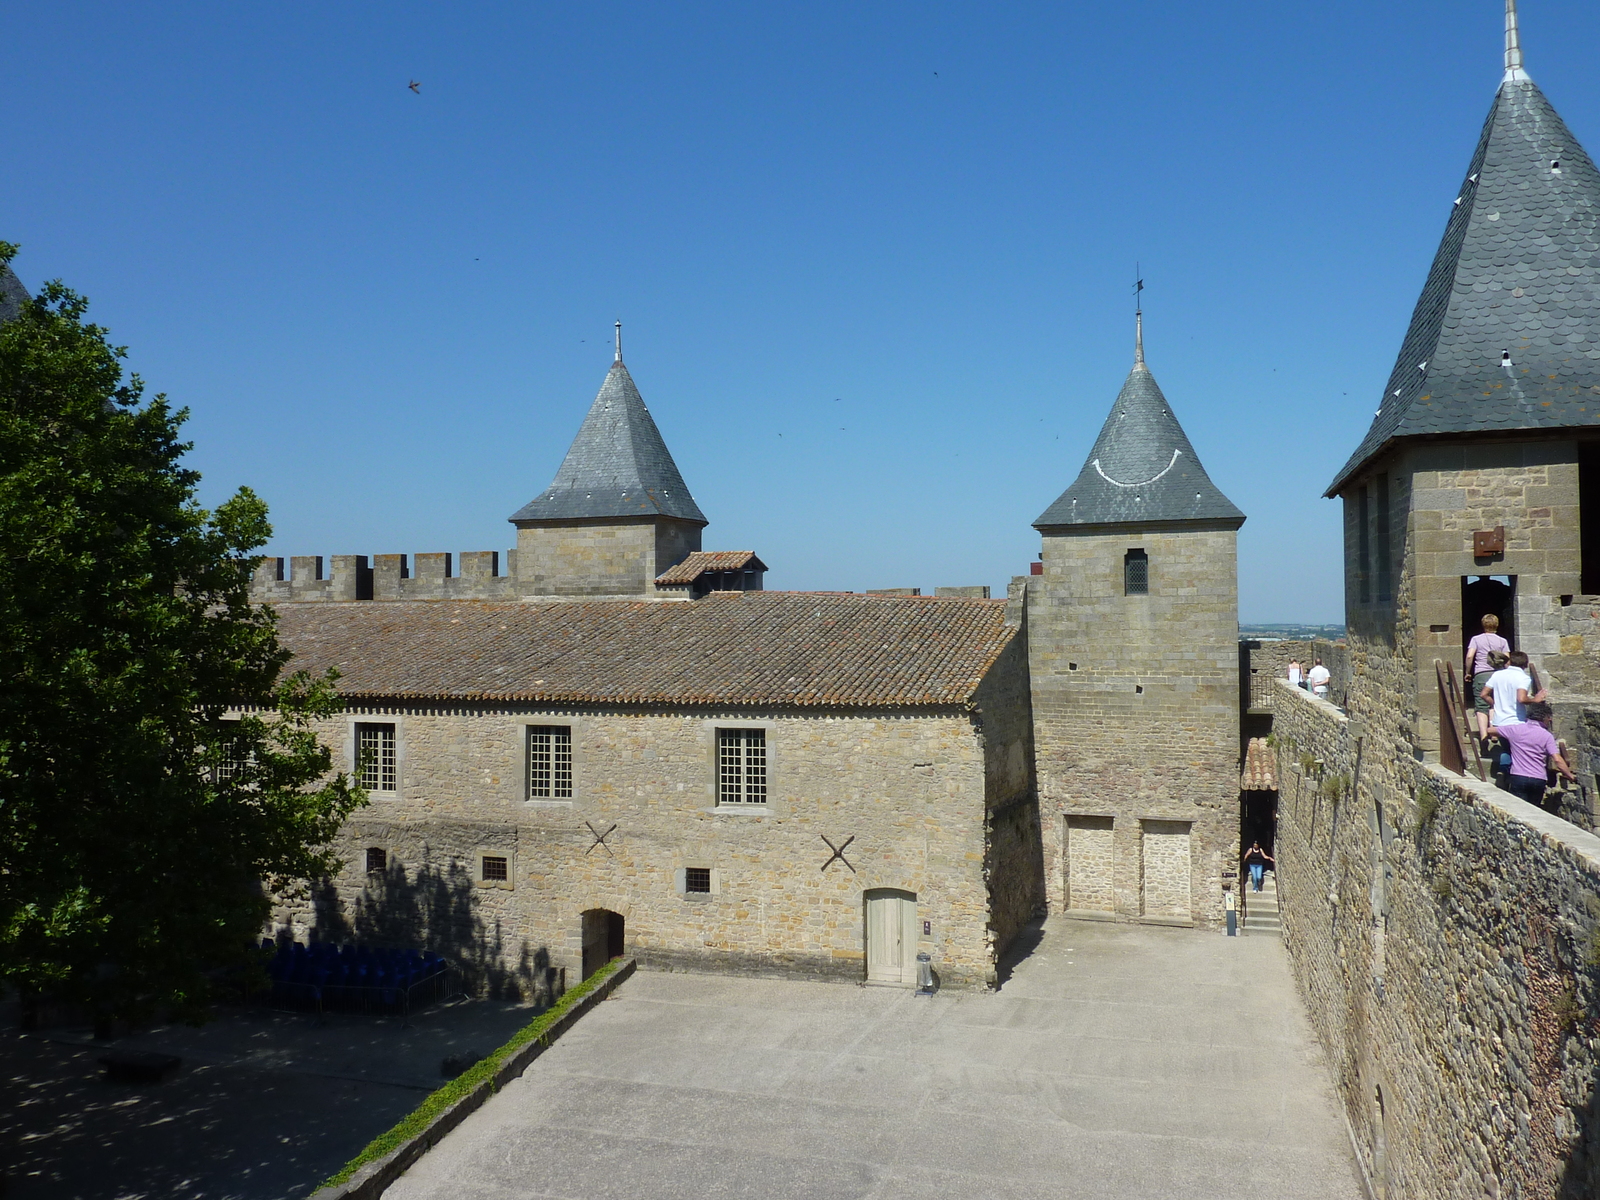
<point x="1142" y="469"/>
<point x="617" y="466"/>
<point x="1506" y="332"/>
<point x="1513" y="44"/>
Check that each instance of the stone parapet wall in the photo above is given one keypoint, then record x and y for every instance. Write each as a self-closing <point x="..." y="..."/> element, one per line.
<point x="385" y="577"/>
<point x="1266" y="662"/>
<point x="1445" y="936"/>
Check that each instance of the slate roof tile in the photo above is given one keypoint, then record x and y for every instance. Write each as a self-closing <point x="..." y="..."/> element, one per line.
<point x="1520" y="226"/>
<point x="749" y="649"/>
<point x="617" y="466"/>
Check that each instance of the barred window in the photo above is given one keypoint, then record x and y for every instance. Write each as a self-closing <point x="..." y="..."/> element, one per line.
<point x="375" y="754"/>
<point x="494" y="868"/>
<point x="1136" y="573"/>
<point x="377" y="859"/>
<point x="742" y="766"/>
<point x="697" y="879"/>
<point x="236" y="757"/>
<point x="549" y="762"/>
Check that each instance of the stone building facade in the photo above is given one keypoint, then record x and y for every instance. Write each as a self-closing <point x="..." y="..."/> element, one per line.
<point x="1133" y="641"/>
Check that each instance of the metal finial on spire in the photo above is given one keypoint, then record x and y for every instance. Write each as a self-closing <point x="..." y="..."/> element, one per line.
<point x="1513" y="44"/>
<point x="1138" y="318"/>
<point x="619" y="341"/>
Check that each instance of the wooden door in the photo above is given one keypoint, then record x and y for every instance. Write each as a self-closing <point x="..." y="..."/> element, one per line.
<point x="891" y="936"/>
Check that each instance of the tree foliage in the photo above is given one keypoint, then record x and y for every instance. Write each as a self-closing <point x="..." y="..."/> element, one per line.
<point x="139" y="826"/>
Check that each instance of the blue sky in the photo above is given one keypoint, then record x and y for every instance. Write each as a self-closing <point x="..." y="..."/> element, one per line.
<point x="874" y="262"/>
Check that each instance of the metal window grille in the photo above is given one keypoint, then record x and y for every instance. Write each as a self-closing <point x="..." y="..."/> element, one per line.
<point x="377" y="859"/>
<point x="375" y="744"/>
<point x="236" y="756"/>
<point x="550" y="763"/>
<point x="742" y="766"/>
<point x="697" y="879"/>
<point x="1136" y="573"/>
<point x="494" y="868"/>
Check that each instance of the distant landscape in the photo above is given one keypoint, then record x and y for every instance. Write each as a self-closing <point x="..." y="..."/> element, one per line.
<point x="1297" y="633"/>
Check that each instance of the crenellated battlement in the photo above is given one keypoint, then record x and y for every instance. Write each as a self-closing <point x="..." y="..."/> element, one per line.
<point x="483" y="575"/>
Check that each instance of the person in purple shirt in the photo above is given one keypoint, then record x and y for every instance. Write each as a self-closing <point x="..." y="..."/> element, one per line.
<point x="1479" y="668"/>
<point x="1532" y="747"/>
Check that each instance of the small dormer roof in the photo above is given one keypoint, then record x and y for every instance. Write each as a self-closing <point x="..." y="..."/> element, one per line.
<point x="701" y="562"/>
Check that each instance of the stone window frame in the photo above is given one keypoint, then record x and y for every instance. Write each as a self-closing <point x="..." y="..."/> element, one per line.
<point x="352" y="747"/>
<point x="1130" y="586"/>
<point x="681" y="881"/>
<point x="366" y="860"/>
<point x="709" y="729"/>
<point x="509" y="883"/>
<point x="575" y="728"/>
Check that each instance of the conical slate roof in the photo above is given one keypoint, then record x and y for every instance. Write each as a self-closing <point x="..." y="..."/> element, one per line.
<point x="12" y="293"/>
<point x="1506" y="334"/>
<point x="1142" y="469"/>
<point x="617" y="466"/>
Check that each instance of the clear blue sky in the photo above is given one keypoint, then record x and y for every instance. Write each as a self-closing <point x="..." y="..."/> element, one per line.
<point x="873" y="261"/>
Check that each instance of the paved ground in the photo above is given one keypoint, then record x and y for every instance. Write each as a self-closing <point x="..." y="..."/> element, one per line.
<point x="266" y="1105"/>
<point x="1117" y="1061"/>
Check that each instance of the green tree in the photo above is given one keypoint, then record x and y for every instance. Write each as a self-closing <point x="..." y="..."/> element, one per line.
<point x="139" y="828"/>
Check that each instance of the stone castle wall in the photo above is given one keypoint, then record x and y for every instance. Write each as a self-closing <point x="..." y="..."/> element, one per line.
<point x="1445" y="936"/>
<point x="910" y="790"/>
<point x="1266" y="662"/>
<point x="480" y="576"/>
<point x="1136" y="722"/>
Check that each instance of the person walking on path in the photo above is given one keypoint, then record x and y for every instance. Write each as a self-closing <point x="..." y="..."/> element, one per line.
<point x="1479" y="670"/>
<point x="1318" y="679"/>
<point x="1294" y="672"/>
<point x="1258" y="860"/>
<point x="1509" y="690"/>
<point x="1533" y="751"/>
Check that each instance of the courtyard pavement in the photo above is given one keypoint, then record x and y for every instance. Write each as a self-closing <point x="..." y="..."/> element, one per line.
<point x="1116" y="1061"/>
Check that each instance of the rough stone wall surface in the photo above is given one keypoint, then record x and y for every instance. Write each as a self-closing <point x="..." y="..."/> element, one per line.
<point x="1268" y="662"/>
<point x="1440" y="494"/>
<point x="1445" y="937"/>
<point x="909" y="789"/>
<point x="1014" y="856"/>
<point x="600" y="558"/>
<point x="1136" y="703"/>
<point x="481" y="575"/>
<point x="1089" y="853"/>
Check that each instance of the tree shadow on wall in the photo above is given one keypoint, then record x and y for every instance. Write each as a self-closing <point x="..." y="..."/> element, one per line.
<point x="436" y="908"/>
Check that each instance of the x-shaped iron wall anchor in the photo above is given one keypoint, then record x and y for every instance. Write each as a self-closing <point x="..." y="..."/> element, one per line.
<point x="600" y="838"/>
<point x="838" y="852"/>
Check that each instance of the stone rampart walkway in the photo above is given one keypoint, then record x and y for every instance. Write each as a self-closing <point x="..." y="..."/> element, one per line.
<point x="1117" y="1061"/>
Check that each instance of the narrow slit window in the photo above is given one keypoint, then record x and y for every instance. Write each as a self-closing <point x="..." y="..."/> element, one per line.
<point x="1382" y="532"/>
<point x="742" y="766"/>
<point x="1364" y="545"/>
<point x="1136" y="573"/>
<point x="697" y="879"/>
<point x="375" y="754"/>
<point x="495" y="869"/>
<point x="550" y="762"/>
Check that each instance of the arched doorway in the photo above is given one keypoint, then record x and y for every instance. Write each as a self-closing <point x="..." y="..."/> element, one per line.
<point x="891" y="926"/>
<point x="602" y="938"/>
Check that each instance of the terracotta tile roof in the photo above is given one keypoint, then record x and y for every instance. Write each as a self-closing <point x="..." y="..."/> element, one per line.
<point x="757" y="649"/>
<point x="1260" y="768"/>
<point x="701" y="561"/>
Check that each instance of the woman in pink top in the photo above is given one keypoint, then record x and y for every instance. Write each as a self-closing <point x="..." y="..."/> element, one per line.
<point x="1478" y="669"/>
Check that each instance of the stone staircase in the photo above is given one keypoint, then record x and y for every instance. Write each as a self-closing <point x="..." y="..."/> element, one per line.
<point x="1264" y="918"/>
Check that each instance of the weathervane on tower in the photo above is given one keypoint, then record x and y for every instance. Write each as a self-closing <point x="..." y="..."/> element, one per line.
<point x="1138" y="316"/>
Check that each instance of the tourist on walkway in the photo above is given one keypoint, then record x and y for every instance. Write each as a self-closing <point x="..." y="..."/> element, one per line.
<point x="1258" y="860"/>
<point x="1509" y="690"/>
<point x="1478" y="668"/>
<point x="1318" y="679"/>
<point x="1294" y="672"/>
<point x="1533" y="751"/>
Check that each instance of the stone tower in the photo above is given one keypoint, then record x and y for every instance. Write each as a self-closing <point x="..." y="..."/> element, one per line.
<point x="617" y="514"/>
<point x="1477" y="487"/>
<point x="1133" y="631"/>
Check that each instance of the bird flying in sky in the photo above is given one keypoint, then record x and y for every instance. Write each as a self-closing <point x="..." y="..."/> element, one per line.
<point x="415" y="87"/>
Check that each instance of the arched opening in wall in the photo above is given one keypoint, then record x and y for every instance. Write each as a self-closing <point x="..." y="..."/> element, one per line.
<point x="891" y="932"/>
<point x="1482" y="595"/>
<point x="603" y="938"/>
